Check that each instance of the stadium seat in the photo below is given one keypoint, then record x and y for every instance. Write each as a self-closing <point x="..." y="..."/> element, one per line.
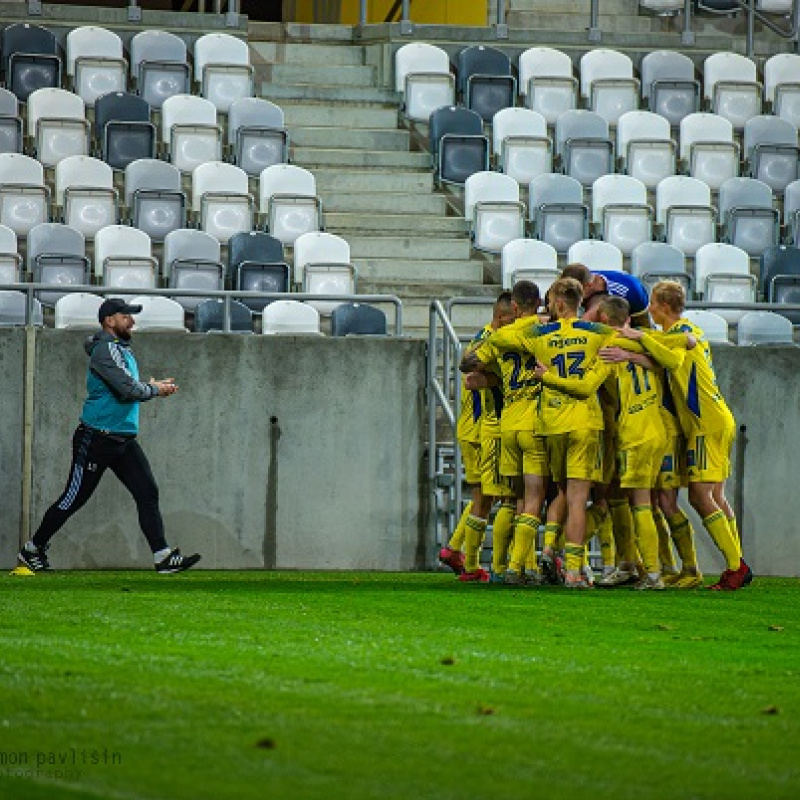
<point x="158" y="314"/>
<point x="780" y="277"/>
<point x="124" y="130"/>
<point x="730" y="87"/>
<point x="747" y="215"/>
<point x="791" y="212"/>
<point x="685" y="213"/>
<point x="78" y="311"/>
<point x="256" y="264"/>
<point x="620" y="210"/>
<point x="722" y="275"/>
<point x="30" y="57"/>
<point x="422" y="74"/>
<point x="457" y="144"/>
<point x="153" y="195"/>
<point x="57" y="123"/>
<point x="189" y="245"/>
<point x="530" y="260"/>
<point x="257" y="135"/>
<point x="290" y="317"/>
<point x="764" y="327"/>
<point x="95" y="63"/>
<point x="595" y="254"/>
<point x="782" y="87"/>
<point x="123" y="257"/>
<point x="329" y="279"/>
<point x="607" y="84"/>
<point x="85" y="192"/>
<point x="195" y="275"/>
<point x="189" y="128"/>
<point x="662" y="8"/>
<point x="712" y="324"/>
<point x="159" y="66"/>
<point x="522" y="148"/>
<point x="357" y="319"/>
<point x="14" y="311"/>
<point x="318" y="248"/>
<point x="771" y="151"/>
<point x="669" y="85"/>
<point x="10" y="259"/>
<point x="57" y="256"/>
<point x="288" y="198"/>
<point x="557" y="212"/>
<point x="645" y="148"/>
<point x="493" y="209"/>
<point x="583" y="145"/>
<point x="10" y="123"/>
<point x="221" y="199"/>
<point x="708" y="148"/>
<point x="547" y="83"/>
<point x="485" y="81"/>
<point x="656" y="261"/>
<point x="24" y="197"/>
<point x="222" y="69"/>
<point x="210" y="316"/>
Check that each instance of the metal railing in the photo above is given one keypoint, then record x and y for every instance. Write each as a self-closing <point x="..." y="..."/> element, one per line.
<point x="135" y="10"/>
<point x="226" y="295"/>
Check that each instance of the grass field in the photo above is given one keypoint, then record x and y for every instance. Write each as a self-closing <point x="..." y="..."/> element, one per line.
<point x="290" y="685"/>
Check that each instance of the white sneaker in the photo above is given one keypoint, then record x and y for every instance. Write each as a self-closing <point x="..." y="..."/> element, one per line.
<point x="618" y="577"/>
<point x="650" y="584"/>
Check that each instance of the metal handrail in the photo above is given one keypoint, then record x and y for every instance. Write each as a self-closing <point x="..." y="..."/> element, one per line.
<point x="225" y="294"/>
<point x="439" y="396"/>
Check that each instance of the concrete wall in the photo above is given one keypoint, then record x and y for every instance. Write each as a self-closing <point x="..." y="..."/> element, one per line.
<point x="307" y="453"/>
<point x="277" y="452"/>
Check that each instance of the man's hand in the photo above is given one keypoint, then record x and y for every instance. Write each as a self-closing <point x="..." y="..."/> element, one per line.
<point x="691" y="341"/>
<point x="539" y="370"/>
<point x="470" y="363"/>
<point x="165" y="386"/>
<point x="476" y="380"/>
<point x="628" y="332"/>
<point x="614" y="355"/>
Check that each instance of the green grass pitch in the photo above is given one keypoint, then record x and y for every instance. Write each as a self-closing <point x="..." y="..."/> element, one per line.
<point x="394" y="687"/>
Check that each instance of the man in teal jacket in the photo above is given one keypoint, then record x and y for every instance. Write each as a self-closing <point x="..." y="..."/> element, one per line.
<point x="106" y="439"/>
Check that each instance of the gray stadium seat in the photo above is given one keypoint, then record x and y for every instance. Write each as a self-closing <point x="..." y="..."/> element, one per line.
<point x="124" y="130"/>
<point x="669" y="85"/>
<point x="557" y="212"/>
<point x="485" y="81"/>
<point x="57" y="255"/>
<point x="30" y="59"/>
<point x="159" y="66"/>
<point x="357" y="318"/>
<point x="747" y="215"/>
<point x="154" y="198"/>
<point x="257" y="135"/>
<point x="457" y="143"/>
<point x="764" y="327"/>
<point x="210" y="316"/>
<point x="10" y="123"/>
<point x="583" y="144"/>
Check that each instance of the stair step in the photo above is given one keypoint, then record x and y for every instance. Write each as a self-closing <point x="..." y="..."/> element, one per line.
<point x="330" y="94"/>
<point x="409" y="247"/>
<point x="340" y="116"/>
<point x="322" y="75"/>
<point x="332" y="180"/>
<point x="401" y="271"/>
<point x="334" y="55"/>
<point x="313" y="157"/>
<point x="384" y="202"/>
<point x="350" y="138"/>
<point x="580" y="22"/>
<point x="393" y="224"/>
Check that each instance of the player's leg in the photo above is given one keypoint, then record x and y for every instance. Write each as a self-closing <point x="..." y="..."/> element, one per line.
<point x="502" y="488"/>
<point x="553" y="543"/>
<point x="474" y="534"/>
<point x="90" y="453"/>
<point x="452" y="555"/>
<point x="682" y="533"/>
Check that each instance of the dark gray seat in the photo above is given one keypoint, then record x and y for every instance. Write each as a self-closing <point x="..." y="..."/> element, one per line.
<point x="209" y="316"/>
<point x="485" y="80"/>
<point x="357" y="319"/>
<point x="124" y="130"/>
<point x="458" y="144"/>
<point x="31" y="59"/>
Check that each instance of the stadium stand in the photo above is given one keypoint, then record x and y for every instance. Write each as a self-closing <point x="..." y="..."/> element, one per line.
<point x="10" y="123"/>
<point x="485" y="81"/>
<point x="764" y="327"/>
<point x="57" y="256"/>
<point x="153" y="196"/>
<point x="123" y="130"/>
<point x="31" y="59"/>
<point x="288" y="200"/>
<point x="159" y="67"/>
<point x="493" y="208"/>
<point x="546" y="82"/>
<point x="290" y="317"/>
<point x="522" y="148"/>
<point x="24" y="197"/>
<point x="357" y="319"/>
<point x="530" y="260"/>
<point x="221" y="202"/>
<point x="257" y="136"/>
<point x="85" y="194"/>
<point x="422" y="75"/>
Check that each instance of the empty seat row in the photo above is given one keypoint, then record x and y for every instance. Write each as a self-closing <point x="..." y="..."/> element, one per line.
<point x="95" y="64"/>
<point x="607" y="84"/>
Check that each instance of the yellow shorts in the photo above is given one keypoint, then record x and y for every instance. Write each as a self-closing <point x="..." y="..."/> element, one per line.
<point x="471" y="458"/>
<point x="639" y="466"/>
<point x="607" y="464"/>
<point x="672" y="474"/>
<point x="708" y="455"/>
<point x="523" y="453"/>
<point x="493" y="484"/>
<point x="574" y="456"/>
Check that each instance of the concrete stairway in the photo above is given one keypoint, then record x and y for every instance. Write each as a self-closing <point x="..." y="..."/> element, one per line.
<point x="377" y="192"/>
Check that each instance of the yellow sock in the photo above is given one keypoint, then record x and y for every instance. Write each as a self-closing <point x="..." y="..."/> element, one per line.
<point x="502" y="532"/>
<point x="573" y="556"/>
<point x="594" y="518"/>
<point x="560" y="538"/>
<point x="646" y="538"/>
<point x="623" y="531"/>
<point x="734" y="529"/>
<point x="665" y="554"/>
<point x="717" y="526"/>
<point x="524" y="538"/>
<point x="552" y="530"/>
<point x="457" y="539"/>
<point x="606" y="535"/>
<point x="475" y="531"/>
<point x="683" y="536"/>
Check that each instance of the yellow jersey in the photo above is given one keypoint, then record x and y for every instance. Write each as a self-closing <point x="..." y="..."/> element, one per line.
<point x="637" y="397"/>
<point x="567" y="348"/>
<point x="471" y="413"/>
<point x="505" y="351"/>
<point x="699" y="403"/>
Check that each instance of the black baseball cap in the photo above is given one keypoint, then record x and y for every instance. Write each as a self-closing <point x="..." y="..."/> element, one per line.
<point x="116" y="305"/>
